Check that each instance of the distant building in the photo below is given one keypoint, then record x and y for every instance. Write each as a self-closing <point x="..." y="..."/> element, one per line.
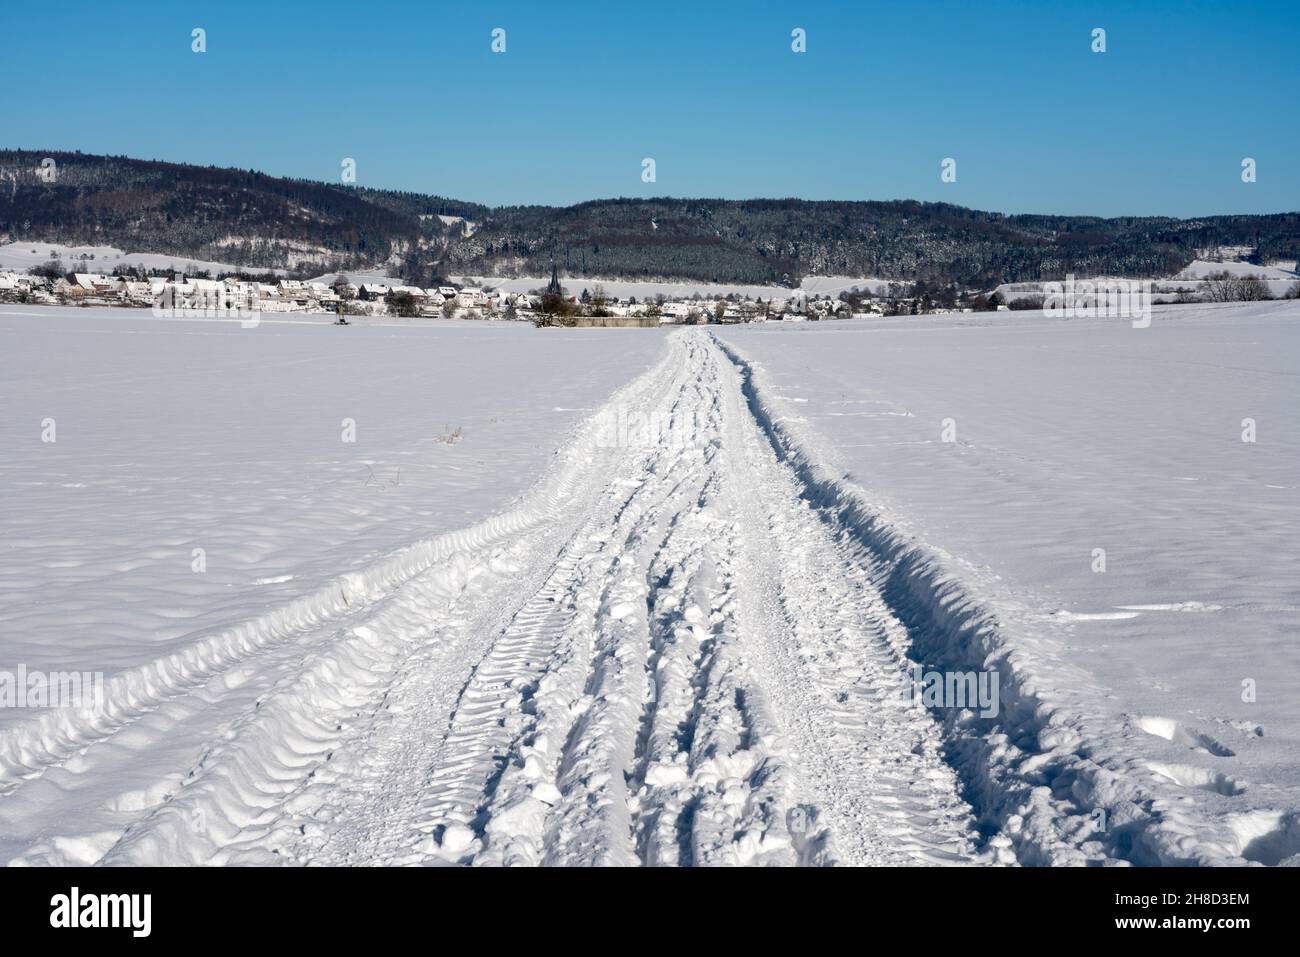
<point x="96" y="284"/>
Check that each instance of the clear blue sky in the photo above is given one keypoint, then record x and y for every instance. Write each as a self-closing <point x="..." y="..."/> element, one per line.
<point x="1037" y="122"/>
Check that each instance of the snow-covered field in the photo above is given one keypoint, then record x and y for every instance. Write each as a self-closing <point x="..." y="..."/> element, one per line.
<point x="679" y="638"/>
<point x="1137" y="561"/>
<point x="19" y="257"/>
<point x="1200" y="268"/>
<point x="172" y="436"/>
<point x="1280" y="280"/>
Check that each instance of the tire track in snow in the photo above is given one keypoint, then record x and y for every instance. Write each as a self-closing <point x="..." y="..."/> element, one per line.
<point x="832" y="654"/>
<point x="494" y="708"/>
<point x="678" y="754"/>
<point x="269" y="757"/>
<point x="659" y="670"/>
<point x="1037" y="772"/>
<point x="586" y="730"/>
<point x="457" y="801"/>
<point x="708" y="767"/>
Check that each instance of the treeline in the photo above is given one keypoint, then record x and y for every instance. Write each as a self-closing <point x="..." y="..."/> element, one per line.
<point x="256" y="221"/>
<point x="242" y="217"/>
<point x="763" y="241"/>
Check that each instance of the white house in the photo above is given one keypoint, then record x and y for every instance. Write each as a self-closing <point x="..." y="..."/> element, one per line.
<point x="95" y="283"/>
<point x="137" y="292"/>
<point x="322" y="293"/>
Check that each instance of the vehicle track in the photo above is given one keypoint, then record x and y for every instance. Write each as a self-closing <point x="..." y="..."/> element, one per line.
<point x="682" y="665"/>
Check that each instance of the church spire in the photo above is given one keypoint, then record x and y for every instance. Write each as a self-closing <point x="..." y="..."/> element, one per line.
<point x="554" y="287"/>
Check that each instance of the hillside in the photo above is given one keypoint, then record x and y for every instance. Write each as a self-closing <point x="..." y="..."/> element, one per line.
<point x="234" y="216"/>
<point x="783" y="240"/>
<point x="258" y="221"/>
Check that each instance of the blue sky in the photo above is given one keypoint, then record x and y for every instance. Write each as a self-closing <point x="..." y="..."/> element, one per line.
<point x="1158" y="124"/>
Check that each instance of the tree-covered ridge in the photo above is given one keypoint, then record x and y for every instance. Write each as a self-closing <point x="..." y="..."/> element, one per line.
<point x="253" y="220"/>
<point x="772" y="240"/>
<point x="239" y="216"/>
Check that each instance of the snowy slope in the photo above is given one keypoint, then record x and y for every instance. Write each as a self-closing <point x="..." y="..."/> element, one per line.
<point x="1200" y="268"/>
<point x="19" y="257"/>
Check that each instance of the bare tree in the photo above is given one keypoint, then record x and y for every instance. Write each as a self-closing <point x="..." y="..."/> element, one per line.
<point x="1225" y="287"/>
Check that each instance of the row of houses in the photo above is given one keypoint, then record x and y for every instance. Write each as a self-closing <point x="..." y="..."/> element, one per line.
<point x="14" y="285"/>
<point x="383" y="298"/>
<point x="286" y="295"/>
<point x="429" y="301"/>
<point x="99" y="289"/>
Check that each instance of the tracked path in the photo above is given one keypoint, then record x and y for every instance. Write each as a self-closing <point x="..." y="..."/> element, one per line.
<point x="672" y="660"/>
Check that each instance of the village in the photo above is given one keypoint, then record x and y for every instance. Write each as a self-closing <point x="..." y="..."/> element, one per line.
<point x="181" y="295"/>
<point x="177" y="295"/>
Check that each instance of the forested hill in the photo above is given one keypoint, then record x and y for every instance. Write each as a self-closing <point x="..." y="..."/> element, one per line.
<point x="235" y="216"/>
<point x="254" y="220"/>
<point x="771" y="240"/>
